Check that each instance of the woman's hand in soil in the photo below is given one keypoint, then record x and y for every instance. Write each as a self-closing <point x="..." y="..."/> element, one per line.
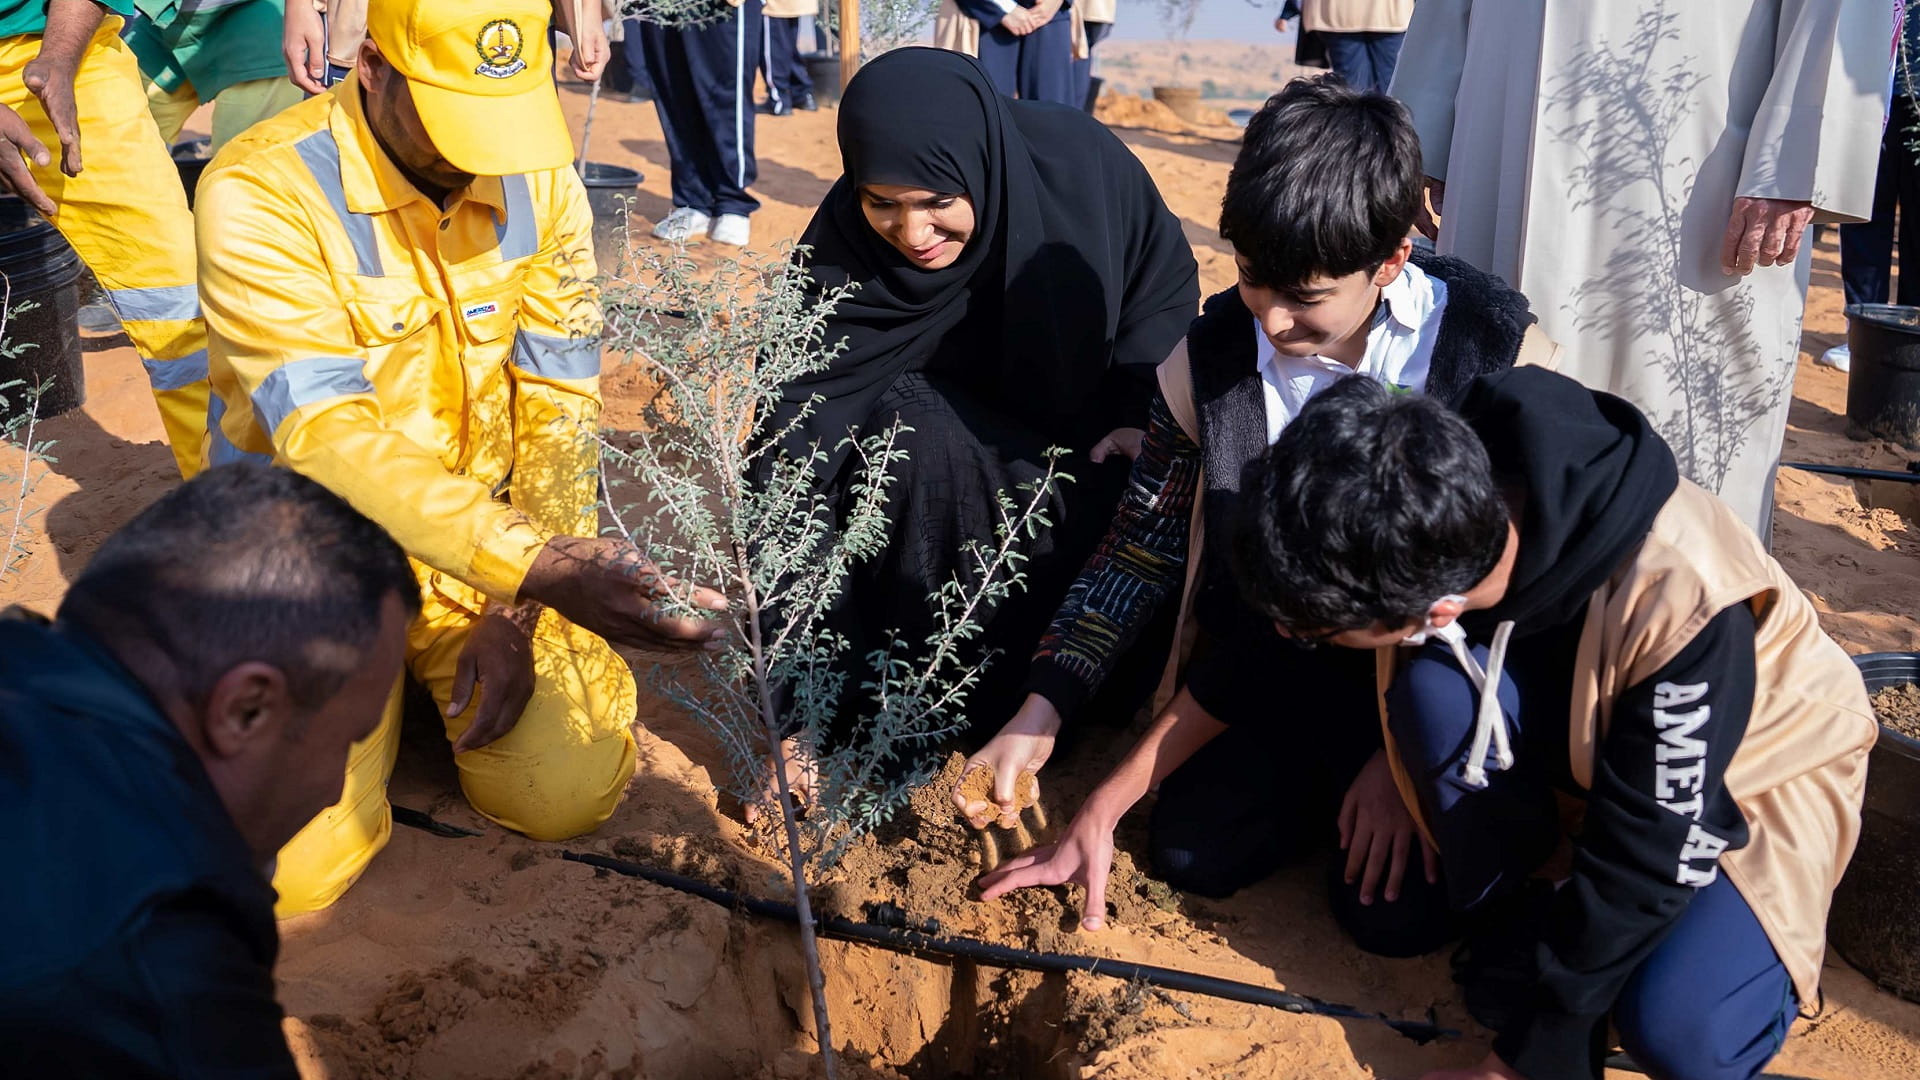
<point x="1378" y="833"/>
<point x="1490" y="1068"/>
<point x="1022" y="746"/>
<point x="802" y="774"/>
<point x="498" y="660"/>
<point x="1083" y="857"/>
<point x="1125" y="440"/>
<point x="608" y="587"/>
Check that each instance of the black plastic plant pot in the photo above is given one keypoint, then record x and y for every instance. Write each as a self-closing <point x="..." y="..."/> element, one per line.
<point x="1883" y="385"/>
<point x="823" y="70"/>
<point x="43" y="274"/>
<point x="1875" y="923"/>
<point x="610" y="191"/>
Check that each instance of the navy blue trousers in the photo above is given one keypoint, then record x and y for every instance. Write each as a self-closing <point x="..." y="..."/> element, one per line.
<point x="780" y="62"/>
<point x="1037" y="67"/>
<point x="1866" y="249"/>
<point x="703" y="91"/>
<point x="1365" y="60"/>
<point x="1083" y="69"/>
<point x="1711" y="1002"/>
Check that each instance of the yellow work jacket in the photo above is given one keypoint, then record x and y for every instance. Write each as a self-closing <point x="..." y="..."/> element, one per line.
<point x="439" y="369"/>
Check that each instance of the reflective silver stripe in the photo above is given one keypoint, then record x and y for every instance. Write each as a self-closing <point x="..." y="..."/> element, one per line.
<point x="176" y="374"/>
<point x="322" y="156"/>
<point x="519" y="236"/>
<point x="299" y="383"/>
<point x="556" y="358"/>
<point x="170" y="303"/>
<point x="199" y="7"/>
<point x="220" y="449"/>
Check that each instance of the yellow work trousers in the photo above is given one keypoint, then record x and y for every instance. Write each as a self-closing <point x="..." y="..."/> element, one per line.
<point x="127" y="217"/>
<point x="235" y="109"/>
<point x="556" y="775"/>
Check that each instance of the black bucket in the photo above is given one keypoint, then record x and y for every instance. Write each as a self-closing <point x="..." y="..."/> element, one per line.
<point x="610" y="192"/>
<point x="824" y="70"/>
<point x="191" y="158"/>
<point x="43" y="270"/>
<point x="1875" y="923"/>
<point x="1883" y="384"/>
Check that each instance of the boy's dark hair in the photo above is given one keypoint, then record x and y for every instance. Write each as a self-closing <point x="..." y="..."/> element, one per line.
<point x="1328" y="181"/>
<point x="243" y="562"/>
<point x="1371" y="506"/>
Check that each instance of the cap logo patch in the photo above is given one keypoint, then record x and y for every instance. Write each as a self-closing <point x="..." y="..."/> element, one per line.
<point x="500" y="44"/>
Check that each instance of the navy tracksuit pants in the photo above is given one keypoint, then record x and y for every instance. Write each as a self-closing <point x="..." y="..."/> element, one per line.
<point x="1037" y="67"/>
<point x="1365" y="60"/>
<point x="786" y="76"/>
<point x="703" y="91"/>
<point x="1711" y="1002"/>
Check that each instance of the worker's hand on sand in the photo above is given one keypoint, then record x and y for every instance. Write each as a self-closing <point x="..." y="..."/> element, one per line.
<point x="1490" y="1068"/>
<point x="803" y="773"/>
<point x="1122" y="440"/>
<point x="1427" y="221"/>
<point x="17" y="147"/>
<point x="1378" y="833"/>
<point x="498" y="661"/>
<point x="51" y="80"/>
<point x="1084" y="856"/>
<point x="608" y="587"/>
<point x="1763" y="232"/>
<point x="303" y="45"/>
<point x="1022" y="746"/>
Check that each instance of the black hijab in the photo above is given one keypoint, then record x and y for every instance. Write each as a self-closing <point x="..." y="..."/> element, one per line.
<point x="1073" y="253"/>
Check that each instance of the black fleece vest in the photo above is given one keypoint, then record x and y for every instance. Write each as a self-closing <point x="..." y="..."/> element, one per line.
<point x="1480" y="333"/>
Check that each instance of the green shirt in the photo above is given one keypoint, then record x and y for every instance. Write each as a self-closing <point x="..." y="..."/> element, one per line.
<point x="30" y="16"/>
<point x="209" y="43"/>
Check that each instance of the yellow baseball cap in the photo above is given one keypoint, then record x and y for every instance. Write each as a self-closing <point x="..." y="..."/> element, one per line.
<point x="481" y="73"/>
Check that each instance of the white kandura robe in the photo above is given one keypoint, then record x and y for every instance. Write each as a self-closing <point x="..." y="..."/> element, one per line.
<point x="1592" y="150"/>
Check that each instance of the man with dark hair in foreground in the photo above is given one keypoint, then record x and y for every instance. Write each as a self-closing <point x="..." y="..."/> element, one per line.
<point x="189" y="710"/>
<point x="1559" y="617"/>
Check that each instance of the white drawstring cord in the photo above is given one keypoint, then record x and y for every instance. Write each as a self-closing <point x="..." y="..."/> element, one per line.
<point x="1489" y="725"/>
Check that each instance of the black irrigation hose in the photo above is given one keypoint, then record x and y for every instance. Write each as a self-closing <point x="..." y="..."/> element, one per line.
<point x="919" y="942"/>
<point x="1911" y="476"/>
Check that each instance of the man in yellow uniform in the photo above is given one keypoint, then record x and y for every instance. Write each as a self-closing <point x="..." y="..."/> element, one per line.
<point x="397" y="278"/>
<point x="65" y="72"/>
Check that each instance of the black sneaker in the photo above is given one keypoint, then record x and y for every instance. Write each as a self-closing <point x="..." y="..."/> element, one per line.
<point x="777" y="108"/>
<point x="806" y="102"/>
<point x="1496" y="966"/>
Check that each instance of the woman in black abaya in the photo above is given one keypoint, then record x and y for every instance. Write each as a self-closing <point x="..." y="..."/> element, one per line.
<point x="1018" y="279"/>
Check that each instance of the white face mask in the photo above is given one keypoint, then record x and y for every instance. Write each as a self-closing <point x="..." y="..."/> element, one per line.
<point x="1447" y="633"/>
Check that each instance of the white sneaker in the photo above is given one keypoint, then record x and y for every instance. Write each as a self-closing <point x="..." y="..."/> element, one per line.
<point x="731" y="229"/>
<point x="1839" y="358"/>
<point x="684" y="224"/>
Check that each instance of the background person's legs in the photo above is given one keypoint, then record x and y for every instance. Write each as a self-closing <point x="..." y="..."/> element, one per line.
<point x="720" y="62"/>
<point x="1713" y="1001"/>
<point x="134" y="233"/>
<point x="1347" y="54"/>
<point x="1383" y="55"/>
<point x="1046" y="63"/>
<point x="1083" y="69"/>
<point x="682" y="123"/>
<point x="245" y="104"/>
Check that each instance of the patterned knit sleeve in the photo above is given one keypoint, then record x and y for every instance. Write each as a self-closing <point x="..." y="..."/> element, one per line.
<point x="1138" y="564"/>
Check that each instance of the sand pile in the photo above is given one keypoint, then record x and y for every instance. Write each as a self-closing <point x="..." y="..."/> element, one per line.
<point x="1129" y="111"/>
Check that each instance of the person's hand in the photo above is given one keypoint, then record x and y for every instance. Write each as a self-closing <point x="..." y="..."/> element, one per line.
<point x="1763" y="232"/>
<point x="1043" y="12"/>
<point x="1122" y="440"/>
<point x="1427" y="222"/>
<point x="1280" y="25"/>
<point x="803" y="773"/>
<point x="50" y="79"/>
<point x="1084" y="856"/>
<point x="17" y="147"/>
<point x="1019" y="22"/>
<point x="608" y="587"/>
<point x="1022" y="746"/>
<point x="303" y="45"/>
<point x="1378" y="833"/>
<point x="1490" y="1068"/>
<point x="498" y="659"/>
<point x="591" y="51"/>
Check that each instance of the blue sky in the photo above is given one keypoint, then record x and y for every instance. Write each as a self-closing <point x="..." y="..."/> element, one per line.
<point x="1232" y="20"/>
